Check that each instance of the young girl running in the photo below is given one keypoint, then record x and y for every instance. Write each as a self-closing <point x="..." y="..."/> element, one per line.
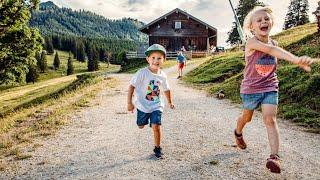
<point x="260" y="83"/>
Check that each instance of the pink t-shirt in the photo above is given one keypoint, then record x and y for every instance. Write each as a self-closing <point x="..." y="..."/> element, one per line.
<point x="259" y="74"/>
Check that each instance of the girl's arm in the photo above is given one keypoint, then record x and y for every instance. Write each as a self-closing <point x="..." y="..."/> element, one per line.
<point x="130" y="94"/>
<point x="304" y="61"/>
<point x="169" y="98"/>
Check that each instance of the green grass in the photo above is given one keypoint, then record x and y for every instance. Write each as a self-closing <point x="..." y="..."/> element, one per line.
<point x="299" y="94"/>
<point x="295" y="34"/>
<point x="50" y="82"/>
<point x="218" y="69"/>
<point x="79" y="67"/>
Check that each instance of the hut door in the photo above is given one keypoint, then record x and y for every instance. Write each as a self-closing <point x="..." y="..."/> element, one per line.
<point x="177" y="43"/>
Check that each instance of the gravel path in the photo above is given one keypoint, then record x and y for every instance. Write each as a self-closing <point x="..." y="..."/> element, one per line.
<point x="103" y="142"/>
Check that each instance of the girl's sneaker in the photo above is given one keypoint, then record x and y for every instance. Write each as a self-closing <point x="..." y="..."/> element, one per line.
<point x="239" y="140"/>
<point x="158" y="152"/>
<point x="273" y="163"/>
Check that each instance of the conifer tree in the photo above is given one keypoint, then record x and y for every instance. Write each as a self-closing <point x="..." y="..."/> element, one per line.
<point x="297" y="14"/>
<point x="43" y="62"/>
<point x="56" y="61"/>
<point x="70" y="69"/>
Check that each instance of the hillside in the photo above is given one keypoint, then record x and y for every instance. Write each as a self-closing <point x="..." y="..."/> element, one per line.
<point x="299" y="91"/>
<point x="50" y="19"/>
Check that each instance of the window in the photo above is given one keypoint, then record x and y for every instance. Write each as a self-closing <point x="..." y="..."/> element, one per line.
<point x="177" y="25"/>
<point x="164" y="42"/>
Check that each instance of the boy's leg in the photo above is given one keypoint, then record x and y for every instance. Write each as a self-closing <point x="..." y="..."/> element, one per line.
<point x="155" y="121"/>
<point x="142" y="118"/>
<point x="156" y="134"/>
<point x="269" y="113"/>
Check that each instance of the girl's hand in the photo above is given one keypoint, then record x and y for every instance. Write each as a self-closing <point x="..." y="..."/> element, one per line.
<point x="172" y="106"/>
<point x="304" y="62"/>
<point x="130" y="107"/>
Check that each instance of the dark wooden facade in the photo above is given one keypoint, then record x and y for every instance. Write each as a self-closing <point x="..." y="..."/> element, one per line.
<point x="194" y="34"/>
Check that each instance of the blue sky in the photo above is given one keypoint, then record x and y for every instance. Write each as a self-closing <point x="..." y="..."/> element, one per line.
<point x="214" y="12"/>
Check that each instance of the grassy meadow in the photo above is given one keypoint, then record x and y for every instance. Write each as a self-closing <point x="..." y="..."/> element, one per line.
<point x="49" y="83"/>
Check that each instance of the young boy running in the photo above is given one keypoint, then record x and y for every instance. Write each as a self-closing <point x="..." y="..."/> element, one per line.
<point x="146" y="84"/>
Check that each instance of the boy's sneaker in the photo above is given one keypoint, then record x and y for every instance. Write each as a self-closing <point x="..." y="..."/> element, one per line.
<point x="239" y="140"/>
<point x="158" y="152"/>
<point x="273" y="163"/>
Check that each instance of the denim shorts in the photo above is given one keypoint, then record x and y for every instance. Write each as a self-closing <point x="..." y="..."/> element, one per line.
<point x="143" y="118"/>
<point x="253" y="101"/>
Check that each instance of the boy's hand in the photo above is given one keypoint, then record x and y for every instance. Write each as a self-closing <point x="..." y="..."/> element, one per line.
<point x="172" y="106"/>
<point x="304" y="62"/>
<point x="130" y="107"/>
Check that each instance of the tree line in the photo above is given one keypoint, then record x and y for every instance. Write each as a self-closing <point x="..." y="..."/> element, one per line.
<point x="82" y="48"/>
<point x="51" y="19"/>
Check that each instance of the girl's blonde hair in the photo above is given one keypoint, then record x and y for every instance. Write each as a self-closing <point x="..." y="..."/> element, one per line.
<point x="248" y="20"/>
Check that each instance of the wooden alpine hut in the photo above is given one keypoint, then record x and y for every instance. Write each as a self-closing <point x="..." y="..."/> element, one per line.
<point x="178" y="29"/>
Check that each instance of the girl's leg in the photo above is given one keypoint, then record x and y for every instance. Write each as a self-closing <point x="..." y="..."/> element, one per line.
<point x="156" y="134"/>
<point x="243" y="120"/>
<point x="269" y="113"/>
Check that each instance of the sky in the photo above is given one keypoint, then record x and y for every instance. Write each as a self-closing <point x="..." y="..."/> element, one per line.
<point x="217" y="13"/>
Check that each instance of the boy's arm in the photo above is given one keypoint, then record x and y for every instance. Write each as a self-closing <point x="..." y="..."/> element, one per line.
<point x="169" y="98"/>
<point x="129" y="100"/>
<point x="304" y="62"/>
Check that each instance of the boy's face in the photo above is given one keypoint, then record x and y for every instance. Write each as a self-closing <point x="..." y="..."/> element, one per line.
<point x="261" y="23"/>
<point x="155" y="60"/>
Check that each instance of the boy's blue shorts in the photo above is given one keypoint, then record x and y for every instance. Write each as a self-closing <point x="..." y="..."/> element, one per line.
<point x="143" y="118"/>
<point x="253" y="101"/>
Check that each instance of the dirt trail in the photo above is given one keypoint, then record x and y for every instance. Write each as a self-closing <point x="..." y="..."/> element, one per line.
<point x="103" y="142"/>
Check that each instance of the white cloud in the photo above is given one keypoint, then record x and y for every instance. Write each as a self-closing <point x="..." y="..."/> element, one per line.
<point x="214" y="12"/>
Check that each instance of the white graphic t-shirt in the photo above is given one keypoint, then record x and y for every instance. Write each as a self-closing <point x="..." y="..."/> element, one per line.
<point x="147" y="90"/>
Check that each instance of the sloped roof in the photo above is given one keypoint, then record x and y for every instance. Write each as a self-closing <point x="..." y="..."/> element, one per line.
<point x="182" y="12"/>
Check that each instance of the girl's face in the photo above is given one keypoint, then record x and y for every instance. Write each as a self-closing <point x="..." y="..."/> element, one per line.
<point x="155" y="60"/>
<point x="261" y="23"/>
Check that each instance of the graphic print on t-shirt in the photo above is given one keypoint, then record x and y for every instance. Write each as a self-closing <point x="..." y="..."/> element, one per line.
<point x="153" y="91"/>
<point x="265" y="65"/>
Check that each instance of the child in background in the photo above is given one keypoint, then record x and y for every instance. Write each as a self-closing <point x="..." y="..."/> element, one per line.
<point x="260" y="83"/>
<point x="181" y="60"/>
<point x="146" y="84"/>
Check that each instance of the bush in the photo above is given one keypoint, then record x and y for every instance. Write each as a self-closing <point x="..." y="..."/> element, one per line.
<point x="32" y="75"/>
